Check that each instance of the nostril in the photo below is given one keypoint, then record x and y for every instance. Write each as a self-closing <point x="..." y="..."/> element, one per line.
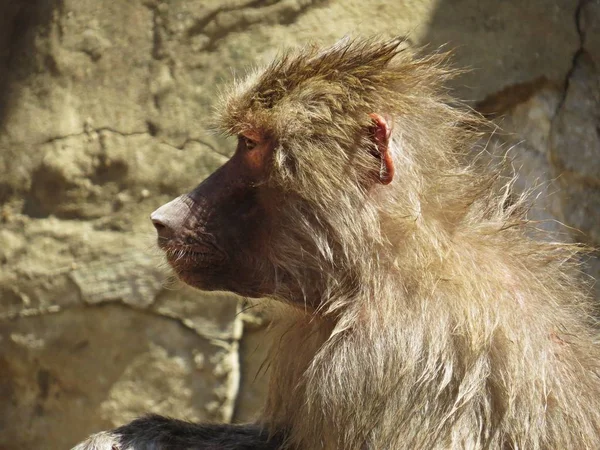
<point x="158" y="225"/>
<point x="169" y="219"/>
<point x="163" y="230"/>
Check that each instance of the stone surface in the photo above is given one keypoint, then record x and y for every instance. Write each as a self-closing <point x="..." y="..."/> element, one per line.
<point x="104" y="114"/>
<point x="589" y="28"/>
<point x="506" y="43"/>
<point x="575" y="140"/>
<point x="67" y="374"/>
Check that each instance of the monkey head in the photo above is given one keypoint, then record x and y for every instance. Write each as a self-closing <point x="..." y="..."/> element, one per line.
<point x="291" y="214"/>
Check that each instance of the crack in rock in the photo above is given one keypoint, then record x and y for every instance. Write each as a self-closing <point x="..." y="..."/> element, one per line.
<point x="576" y="55"/>
<point x="224" y="21"/>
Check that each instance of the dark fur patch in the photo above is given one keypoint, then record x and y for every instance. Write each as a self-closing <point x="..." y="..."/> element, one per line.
<point x="154" y="432"/>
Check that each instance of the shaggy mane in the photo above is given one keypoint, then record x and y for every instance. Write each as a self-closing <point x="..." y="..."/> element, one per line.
<point x="439" y="322"/>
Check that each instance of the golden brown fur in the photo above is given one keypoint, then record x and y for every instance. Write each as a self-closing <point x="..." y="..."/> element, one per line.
<point x="432" y="319"/>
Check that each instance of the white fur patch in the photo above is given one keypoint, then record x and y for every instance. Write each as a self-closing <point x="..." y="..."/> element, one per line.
<point x="101" y="441"/>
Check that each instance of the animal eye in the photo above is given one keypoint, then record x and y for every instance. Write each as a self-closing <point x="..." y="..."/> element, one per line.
<point x="248" y="143"/>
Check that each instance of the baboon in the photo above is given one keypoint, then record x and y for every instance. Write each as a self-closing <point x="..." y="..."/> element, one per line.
<point x="418" y="312"/>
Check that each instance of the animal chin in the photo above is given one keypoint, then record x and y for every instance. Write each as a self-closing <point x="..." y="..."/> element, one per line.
<point x="193" y="258"/>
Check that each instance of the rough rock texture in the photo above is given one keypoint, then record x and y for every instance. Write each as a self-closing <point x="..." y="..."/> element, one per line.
<point x="103" y="117"/>
<point x="575" y="137"/>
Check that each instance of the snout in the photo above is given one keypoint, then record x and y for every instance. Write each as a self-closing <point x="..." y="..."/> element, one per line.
<point x="169" y="219"/>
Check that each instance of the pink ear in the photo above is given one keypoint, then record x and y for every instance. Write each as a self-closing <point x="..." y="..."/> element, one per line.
<point x="381" y="136"/>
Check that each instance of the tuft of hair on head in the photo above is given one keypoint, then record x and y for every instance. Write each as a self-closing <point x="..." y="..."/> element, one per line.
<point x="351" y="76"/>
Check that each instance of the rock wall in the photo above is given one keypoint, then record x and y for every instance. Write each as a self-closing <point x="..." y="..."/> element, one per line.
<point x="103" y="117"/>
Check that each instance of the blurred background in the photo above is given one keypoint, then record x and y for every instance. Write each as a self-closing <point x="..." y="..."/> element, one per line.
<point x="103" y="117"/>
